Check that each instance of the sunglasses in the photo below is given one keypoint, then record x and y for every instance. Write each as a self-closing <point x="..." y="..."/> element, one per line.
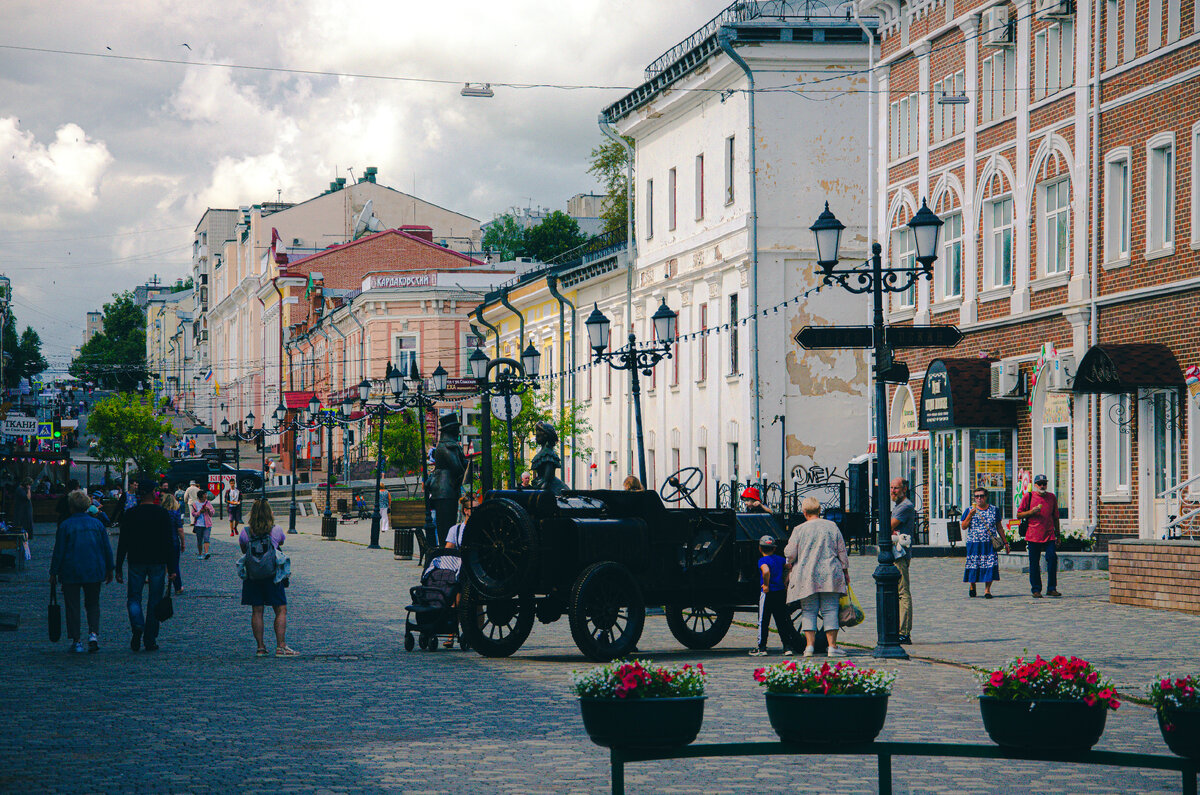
<point x="977" y="496"/>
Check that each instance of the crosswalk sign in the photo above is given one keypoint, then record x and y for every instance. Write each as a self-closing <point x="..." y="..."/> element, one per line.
<point x="45" y="431"/>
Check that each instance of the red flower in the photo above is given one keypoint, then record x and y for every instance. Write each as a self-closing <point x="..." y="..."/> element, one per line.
<point x="1113" y="704"/>
<point x="1093" y="678"/>
<point x="997" y="679"/>
<point x="1165" y="684"/>
<point x="1090" y="700"/>
<point x="760" y="674"/>
<point x="1106" y="694"/>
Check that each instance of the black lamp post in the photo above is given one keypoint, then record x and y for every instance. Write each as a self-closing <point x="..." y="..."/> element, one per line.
<point x="511" y="378"/>
<point x="379" y="412"/>
<point x="327" y="421"/>
<point x="634" y="358"/>
<point x="872" y="277"/>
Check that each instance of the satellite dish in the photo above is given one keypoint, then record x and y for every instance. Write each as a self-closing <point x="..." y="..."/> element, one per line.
<point x="366" y="222"/>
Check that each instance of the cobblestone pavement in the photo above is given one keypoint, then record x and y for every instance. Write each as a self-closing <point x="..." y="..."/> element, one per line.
<point x="356" y="712"/>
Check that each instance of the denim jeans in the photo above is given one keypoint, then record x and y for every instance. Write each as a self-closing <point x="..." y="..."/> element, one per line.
<point x="156" y="576"/>
<point x="1035" y="566"/>
<point x="825" y="604"/>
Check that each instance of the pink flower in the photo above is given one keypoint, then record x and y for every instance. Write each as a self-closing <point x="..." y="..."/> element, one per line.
<point x="760" y="675"/>
<point x="1106" y="694"/>
<point x="1113" y="704"/>
<point x="1093" y="678"/>
<point x="1165" y="684"/>
<point x="1090" y="700"/>
<point x="997" y="679"/>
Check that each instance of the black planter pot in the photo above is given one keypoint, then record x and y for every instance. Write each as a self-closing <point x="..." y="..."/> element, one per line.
<point x="642" y="722"/>
<point x="1184" y="736"/>
<point x="1043" y="724"/>
<point x="817" y="719"/>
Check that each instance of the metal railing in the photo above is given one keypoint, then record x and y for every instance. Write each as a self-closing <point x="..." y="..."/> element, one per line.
<point x="884" y="751"/>
<point x="1177" y="518"/>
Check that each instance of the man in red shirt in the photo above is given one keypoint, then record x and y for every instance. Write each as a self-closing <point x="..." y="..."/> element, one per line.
<point x="1040" y="507"/>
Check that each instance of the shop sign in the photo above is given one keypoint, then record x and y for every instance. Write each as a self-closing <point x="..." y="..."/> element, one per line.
<point x="989" y="468"/>
<point x="397" y="280"/>
<point x="936" y="406"/>
<point x="15" y="425"/>
<point x="908" y="417"/>
<point x="1057" y="410"/>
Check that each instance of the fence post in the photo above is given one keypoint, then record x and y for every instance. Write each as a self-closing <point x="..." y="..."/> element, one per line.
<point x="885" y="774"/>
<point x="618" y="772"/>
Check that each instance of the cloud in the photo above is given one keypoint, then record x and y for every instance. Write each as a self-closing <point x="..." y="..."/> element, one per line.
<point x="44" y="181"/>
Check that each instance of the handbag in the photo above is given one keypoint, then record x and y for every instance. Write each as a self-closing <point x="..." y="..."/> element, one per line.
<point x="165" y="607"/>
<point x="54" y="617"/>
<point x="1023" y="528"/>
<point x="850" y="612"/>
<point x="997" y="540"/>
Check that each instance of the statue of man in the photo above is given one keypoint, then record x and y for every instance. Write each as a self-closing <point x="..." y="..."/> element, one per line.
<point x="445" y="482"/>
<point x="546" y="461"/>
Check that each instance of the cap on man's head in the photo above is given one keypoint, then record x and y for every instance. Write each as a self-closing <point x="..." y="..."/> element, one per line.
<point x="767" y="541"/>
<point x="1041" y="479"/>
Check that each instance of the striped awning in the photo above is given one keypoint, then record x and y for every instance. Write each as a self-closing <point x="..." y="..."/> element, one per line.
<point x="899" y="444"/>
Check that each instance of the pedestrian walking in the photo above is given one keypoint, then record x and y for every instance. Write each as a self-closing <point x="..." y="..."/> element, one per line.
<point x="1040" y="507"/>
<point x="233" y="502"/>
<point x="258" y="538"/>
<point x="146" y="531"/>
<point x="384" y="505"/>
<point x="172" y="507"/>
<point x="772" y="601"/>
<point x="190" y="495"/>
<point x="82" y="559"/>
<point x="818" y="574"/>
<point x="22" y="507"/>
<point x="202" y="522"/>
<point x="982" y="522"/>
<point x="904" y="521"/>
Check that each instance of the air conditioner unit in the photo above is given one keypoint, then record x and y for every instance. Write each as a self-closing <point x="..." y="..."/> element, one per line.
<point x="1061" y="373"/>
<point x="1054" y="8"/>
<point x="1006" y="380"/>
<point x="996" y="30"/>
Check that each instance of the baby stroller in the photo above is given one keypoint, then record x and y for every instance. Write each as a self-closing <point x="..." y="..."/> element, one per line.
<point x="432" y="612"/>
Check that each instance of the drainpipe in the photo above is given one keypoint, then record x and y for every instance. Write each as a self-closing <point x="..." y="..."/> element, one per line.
<point x="1093" y="330"/>
<point x="725" y="38"/>
<point x="274" y="283"/>
<point x="563" y="302"/>
<point x="362" y="339"/>
<point x="872" y="87"/>
<point x="483" y="322"/>
<point x="521" y="318"/>
<point x="607" y="128"/>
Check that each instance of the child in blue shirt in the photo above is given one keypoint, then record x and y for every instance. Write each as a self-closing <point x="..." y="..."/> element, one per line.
<point x="772" y="599"/>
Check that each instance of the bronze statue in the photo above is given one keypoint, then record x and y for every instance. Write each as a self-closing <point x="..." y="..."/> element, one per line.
<point x="444" y="486"/>
<point x="546" y="462"/>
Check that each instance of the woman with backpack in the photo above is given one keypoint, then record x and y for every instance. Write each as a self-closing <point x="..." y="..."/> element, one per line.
<point x="260" y="541"/>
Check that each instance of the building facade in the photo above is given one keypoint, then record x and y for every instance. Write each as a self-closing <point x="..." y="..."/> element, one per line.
<point x="93" y="325"/>
<point x="1057" y="141"/>
<point x="169" y="351"/>
<point x="216" y="228"/>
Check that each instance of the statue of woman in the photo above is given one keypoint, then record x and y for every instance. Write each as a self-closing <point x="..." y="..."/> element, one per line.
<point x="547" y="461"/>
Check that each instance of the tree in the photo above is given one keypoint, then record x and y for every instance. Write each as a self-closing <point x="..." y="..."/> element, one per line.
<point x="536" y="406"/>
<point x="24" y="354"/>
<point x="116" y="357"/>
<point x="505" y="237"/>
<point x="401" y="442"/>
<point x="609" y="168"/>
<point x="126" y="429"/>
<point x="179" y="287"/>
<point x="557" y="233"/>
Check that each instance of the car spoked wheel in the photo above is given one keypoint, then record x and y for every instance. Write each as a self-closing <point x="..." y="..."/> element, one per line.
<point x="606" y="611"/>
<point x="699" y="627"/>
<point x="494" y="627"/>
<point x="498" y="547"/>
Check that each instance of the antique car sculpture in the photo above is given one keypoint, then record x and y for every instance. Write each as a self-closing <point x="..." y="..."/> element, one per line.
<point x="599" y="557"/>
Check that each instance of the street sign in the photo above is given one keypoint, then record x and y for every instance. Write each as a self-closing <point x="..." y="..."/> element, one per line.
<point x="45" y="431"/>
<point x="834" y="337"/>
<point x="923" y="336"/>
<point x="461" y="384"/>
<point x="897" y="373"/>
<point x="509" y="411"/>
<point x="16" y="425"/>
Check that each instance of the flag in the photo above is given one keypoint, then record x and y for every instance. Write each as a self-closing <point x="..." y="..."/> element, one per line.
<point x="216" y="388"/>
<point x="208" y="375"/>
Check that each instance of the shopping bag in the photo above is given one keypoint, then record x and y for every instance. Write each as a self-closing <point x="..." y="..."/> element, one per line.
<point x="165" y="607"/>
<point x="850" y="612"/>
<point x="54" y="617"/>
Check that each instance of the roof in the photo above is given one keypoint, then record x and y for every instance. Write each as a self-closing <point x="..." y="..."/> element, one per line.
<point x="199" y="430"/>
<point x="376" y="237"/>
<point x="1114" y="368"/>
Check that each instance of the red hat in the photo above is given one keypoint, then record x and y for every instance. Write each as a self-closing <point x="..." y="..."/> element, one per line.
<point x="751" y="493"/>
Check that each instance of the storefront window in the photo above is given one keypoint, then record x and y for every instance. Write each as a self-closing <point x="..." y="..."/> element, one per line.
<point x="1056" y="448"/>
<point x="946" y="486"/>
<point x="992" y="467"/>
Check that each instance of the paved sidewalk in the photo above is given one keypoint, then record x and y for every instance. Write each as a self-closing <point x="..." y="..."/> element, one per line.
<point x="358" y="713"/>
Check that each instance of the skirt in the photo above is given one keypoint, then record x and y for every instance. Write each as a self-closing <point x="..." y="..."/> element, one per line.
<point x="259" y="593"/>
<point x="982" y="563"/>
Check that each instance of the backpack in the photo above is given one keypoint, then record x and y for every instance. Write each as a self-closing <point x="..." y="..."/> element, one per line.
<point x="260" y="558"/>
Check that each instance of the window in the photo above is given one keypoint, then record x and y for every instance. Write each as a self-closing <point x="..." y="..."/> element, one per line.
<point x="675" y="353"/>
<point x="998" y="252"/>
<point x="1129" y="36"/>
<point x="406" y="354"/>
<point x="470" y="343"/>
<point x="951" y="259"/>
<point x="1056" y="227"/>
<point x="703" y="344"/>
<point x="733" y="460"/>
<point x="998" y="84"/>
<point x="1160" y="194"/>
<point x="903" y="125"/>
<point x="1154" y="25"/>
<point x="589" y="374"/>
<point x="1110" y="33"/>
<point x="949" y="120"/>
<point x="1117" y="202"/>
<point x="699" y="187"/>
<point x="906" y="251"/>
<point x="1196" y="185"/>
<point x="729" y="170"/>
<point x="1172" y="21"/>
<point x="733" y="335"/>
<point x="649" y="209"/>
<point x="671" y="200"/>
<point x="1115" y="477"/>
<point x="1054" y="59"/>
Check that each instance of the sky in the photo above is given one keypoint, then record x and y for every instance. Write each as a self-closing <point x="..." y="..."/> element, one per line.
<point x="107" y="163"/>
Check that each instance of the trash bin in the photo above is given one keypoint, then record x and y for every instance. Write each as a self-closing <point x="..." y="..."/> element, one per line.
<point x="328" y="527"/>
<point x="402" y="549"/>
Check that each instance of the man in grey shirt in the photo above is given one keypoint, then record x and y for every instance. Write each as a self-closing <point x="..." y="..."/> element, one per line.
<point x="904" y="519"/>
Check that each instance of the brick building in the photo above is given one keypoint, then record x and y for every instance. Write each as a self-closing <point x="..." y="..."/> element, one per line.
<point x="1068" y="255"/>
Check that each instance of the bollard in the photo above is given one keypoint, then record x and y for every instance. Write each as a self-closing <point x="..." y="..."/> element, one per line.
<point x="402" y="548"/>
<point x="329" y="527"/>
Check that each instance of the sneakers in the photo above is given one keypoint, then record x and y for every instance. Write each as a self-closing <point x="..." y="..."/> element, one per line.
<point x="904" y="640"/>
<point x="758" y="652"/>
<point x="93" y="643"/>
<point x="78" y="647"/>
<point x="808" y="652"/>
<point x="836" y="651"/>
<point x="1037" y="594"/>
<point x="207" y="555"/>
<point x="199" y="556"/>
<point x="135" y="642"/>
<point x="1054" y="594"/>
<point x="788" y="652"/>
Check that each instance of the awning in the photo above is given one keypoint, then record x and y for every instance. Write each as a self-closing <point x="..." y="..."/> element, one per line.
<point x="1128" y="367"/>
<point x="298" y="399"/>
<point x="902" y="443"/>
<point x="956" y="394"/>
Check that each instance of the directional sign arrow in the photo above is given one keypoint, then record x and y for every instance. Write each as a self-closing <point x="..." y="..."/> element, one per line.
<point x="834" y="337"/>
<point x="923" y="336"/>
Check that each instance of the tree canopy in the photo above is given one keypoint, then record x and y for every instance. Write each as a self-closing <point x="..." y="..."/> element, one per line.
<point x="556" y="234"/>
<point x="116" y="357"/>
<point x="536" y="406"/>
<point x="608" y="167"/>
<point x="401" y="442"/>
<point x="23" y="354"/>
<point x="505" y="238"/>
<point x="126" y="429"/>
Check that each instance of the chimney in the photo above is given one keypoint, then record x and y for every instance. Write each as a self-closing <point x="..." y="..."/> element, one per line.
<point x="417" y="230"/>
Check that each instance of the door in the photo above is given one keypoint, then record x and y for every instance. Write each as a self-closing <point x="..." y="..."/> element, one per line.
<point x="1158" y="455"/>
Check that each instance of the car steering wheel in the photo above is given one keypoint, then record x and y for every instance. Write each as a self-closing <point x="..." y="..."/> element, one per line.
<point x="682" y="484"/>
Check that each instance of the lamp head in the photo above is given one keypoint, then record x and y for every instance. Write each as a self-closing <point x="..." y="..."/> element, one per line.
<point x="926" y="227"/>
<point x="314" y="405"/>
<point x="598" y="328"/>
<point x="250" y="420"/>
<point x="530" y="359"/>
<point x="827" y="229"/>
<point x="664" y="323"/>
<point x="280" y="413"/>
<point x="440" y="376"/>
<point x="224" y="427"/>
<point x="364" y="391"/>
<point x="477" y="364"/>
<point x="394" y="380"/>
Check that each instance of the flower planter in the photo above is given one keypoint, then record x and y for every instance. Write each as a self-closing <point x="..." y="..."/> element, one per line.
<point x="642" y="722"/>
<point x="1043" y="724"/>
<point x="1183" y="736"/>
<point x="819" y="719"/>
